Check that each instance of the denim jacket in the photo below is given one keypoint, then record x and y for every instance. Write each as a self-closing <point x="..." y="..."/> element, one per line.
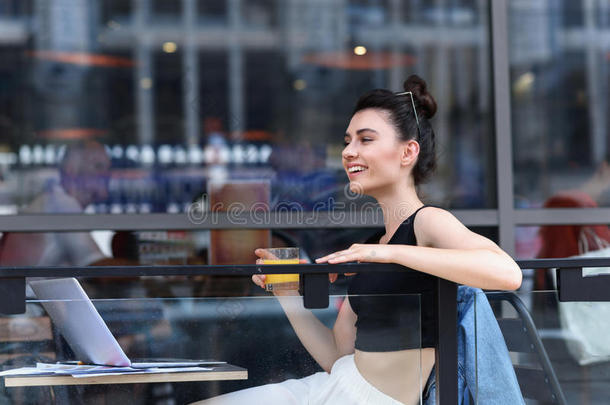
<point x="482" y="354"/>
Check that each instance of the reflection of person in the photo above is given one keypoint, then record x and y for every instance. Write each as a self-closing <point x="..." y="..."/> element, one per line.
<point x="84" y="172"/>
<point x="563" y="240"/>
<point x="558" y="241"/>
<point x="372" y="354"/>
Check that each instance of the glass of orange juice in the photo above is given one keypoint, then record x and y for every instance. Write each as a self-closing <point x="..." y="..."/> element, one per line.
<point x="277" y="282"/>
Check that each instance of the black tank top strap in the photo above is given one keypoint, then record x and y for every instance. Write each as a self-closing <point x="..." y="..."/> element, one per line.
<point x="416" y="211"/>
<point x="405" y="228"/>
<point x="419" y="209"/>
<point x="405" y="234"/>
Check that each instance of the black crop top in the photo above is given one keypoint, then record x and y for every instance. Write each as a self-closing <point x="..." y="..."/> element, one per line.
<point x="389" y="322"/>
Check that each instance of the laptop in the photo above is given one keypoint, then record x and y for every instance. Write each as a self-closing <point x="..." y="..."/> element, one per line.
<point x="81" y="325"/>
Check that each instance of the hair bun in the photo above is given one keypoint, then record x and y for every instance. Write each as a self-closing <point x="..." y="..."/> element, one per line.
<point x="425" y="102"/>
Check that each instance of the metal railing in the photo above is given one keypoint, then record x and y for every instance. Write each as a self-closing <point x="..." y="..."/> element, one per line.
<point x="571" y="284"/>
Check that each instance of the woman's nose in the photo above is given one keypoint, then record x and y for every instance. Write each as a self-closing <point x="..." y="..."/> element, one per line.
<point x="349" y="153"/>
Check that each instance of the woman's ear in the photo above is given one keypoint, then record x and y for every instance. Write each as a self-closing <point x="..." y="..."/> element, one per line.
<point x="410" y="152"/>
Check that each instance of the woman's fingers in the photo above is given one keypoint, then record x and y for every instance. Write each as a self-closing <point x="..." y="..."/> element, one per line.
<point x="321" y="259"/>
<point x="264" y="254"/>
<point x="343" y="259"/>
<point x="259" y="280"/>
<point x="326" y="258"/>
<point x="342" y="256"/>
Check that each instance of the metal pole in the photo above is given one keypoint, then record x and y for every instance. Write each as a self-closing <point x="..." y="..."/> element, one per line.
<point x="504" y="149"/>
<point x="190" y="77"/>
<point x="446" y="344"/>
<point x="236" y="71"/>
<point x="144" y="73"/>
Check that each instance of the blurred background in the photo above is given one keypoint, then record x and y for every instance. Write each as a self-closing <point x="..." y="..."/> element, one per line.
<point x="126" y="124"/>
<point x="181" y="94"/>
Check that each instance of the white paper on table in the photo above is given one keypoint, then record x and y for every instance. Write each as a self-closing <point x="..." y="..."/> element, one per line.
<point x="80" y="371"/>
<point x="71" y="369"/>
<point x="177" y="369"/>
<point x="25" y="371"/>
<point x="97" y="374"/>
<point x="144" y="371"/>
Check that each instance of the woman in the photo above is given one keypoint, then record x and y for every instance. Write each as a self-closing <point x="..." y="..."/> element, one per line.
<point x="372" y="354"/>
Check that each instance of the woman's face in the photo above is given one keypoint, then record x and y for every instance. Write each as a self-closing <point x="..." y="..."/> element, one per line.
<point x="374" y="156"/>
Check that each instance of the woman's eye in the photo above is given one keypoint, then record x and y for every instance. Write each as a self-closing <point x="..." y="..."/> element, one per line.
<point x="345" y="143"/>
<point x="366" y="139"/>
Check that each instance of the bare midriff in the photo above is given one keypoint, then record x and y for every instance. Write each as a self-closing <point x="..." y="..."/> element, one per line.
<point x="397" y="374"/>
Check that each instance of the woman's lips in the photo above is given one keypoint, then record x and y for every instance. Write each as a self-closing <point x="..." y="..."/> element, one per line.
<point x="355" y="174"/>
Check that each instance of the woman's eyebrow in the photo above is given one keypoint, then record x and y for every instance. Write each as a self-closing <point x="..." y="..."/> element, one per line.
<point x="360" y="131"/>
<point x="365" y="130"/>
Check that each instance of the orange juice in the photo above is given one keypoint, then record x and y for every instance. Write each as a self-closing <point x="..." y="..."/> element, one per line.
<point x="275" y="282"/>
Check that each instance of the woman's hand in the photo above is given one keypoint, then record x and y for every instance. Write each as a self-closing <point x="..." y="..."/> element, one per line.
<point x="359" y="253"/>
<point x="259" y="279"/>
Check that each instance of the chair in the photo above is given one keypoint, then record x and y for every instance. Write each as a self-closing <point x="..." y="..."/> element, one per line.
<point x="536" y="377"/>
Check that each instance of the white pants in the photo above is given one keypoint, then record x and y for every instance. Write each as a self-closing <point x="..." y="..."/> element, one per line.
<point x="343" y="386"/>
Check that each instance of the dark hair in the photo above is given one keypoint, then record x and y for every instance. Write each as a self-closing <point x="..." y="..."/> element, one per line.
<point x="401" y="116"/>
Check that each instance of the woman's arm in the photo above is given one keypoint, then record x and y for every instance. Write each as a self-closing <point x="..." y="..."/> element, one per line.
<point x="323" y="344"/>
<point x="446" y="249"/>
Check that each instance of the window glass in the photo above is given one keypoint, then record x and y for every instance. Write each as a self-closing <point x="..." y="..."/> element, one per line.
<point x="182" y="326"/>
<point x="169" y="101"/>
<point x="163" y="247"/>
<point x="166" y="8"/>
<point x="558" y="241"/>
<point x="559" y="87"/>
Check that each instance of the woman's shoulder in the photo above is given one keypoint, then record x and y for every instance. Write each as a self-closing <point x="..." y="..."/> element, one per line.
<point x="431" y="215"/>
<point x="432" y="221"/>
<point x="428" y="212"/>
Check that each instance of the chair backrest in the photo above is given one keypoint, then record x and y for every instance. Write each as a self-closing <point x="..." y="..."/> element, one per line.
<point x="536" y="377"/>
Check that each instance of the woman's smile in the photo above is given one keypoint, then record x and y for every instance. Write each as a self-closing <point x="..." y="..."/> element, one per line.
<point x="355" y="169"/>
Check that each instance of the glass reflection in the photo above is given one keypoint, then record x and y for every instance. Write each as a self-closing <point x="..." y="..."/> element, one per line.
<point x="558" y="357"/>
<point x="250" y="332"/>
<point x="559" y="241"/>
<point x="559" y="74"/>
<point x="83" y="177"/>
<point x="182" y="93"/>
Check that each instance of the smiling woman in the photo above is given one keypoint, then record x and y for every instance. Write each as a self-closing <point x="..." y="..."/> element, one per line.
<point x="396" y="114"/>
<point x="375" y="352"/>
